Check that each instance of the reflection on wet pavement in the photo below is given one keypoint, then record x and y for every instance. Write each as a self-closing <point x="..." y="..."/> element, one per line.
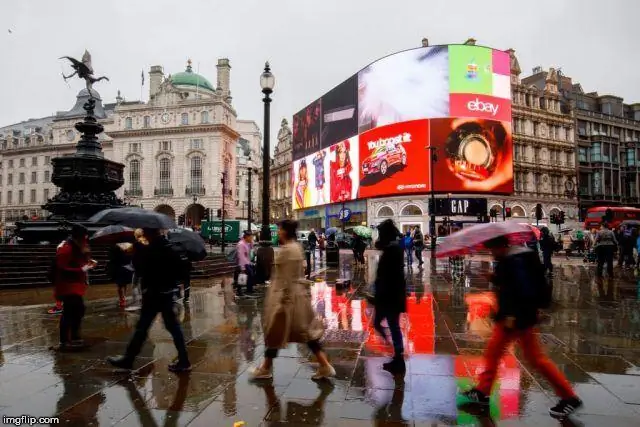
<point x="592" y="333"/>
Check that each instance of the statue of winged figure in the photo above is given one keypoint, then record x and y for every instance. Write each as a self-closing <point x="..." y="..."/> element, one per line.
<point x="84" y="70"/>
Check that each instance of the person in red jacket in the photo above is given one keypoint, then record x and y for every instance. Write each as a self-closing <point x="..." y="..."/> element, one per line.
<point x="72" y="264"/>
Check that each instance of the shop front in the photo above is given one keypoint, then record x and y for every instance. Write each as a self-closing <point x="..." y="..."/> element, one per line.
<point x="312" y="218"/>
<point x="356" y="214"/>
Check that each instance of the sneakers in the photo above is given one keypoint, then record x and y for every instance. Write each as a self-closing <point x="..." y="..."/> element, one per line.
<point x="178" y="367"/>
<point x="120" y="362"/>
<point x="261" y="374"/>
<point x="565" y="407"/>
<point x="477" y="397"/>
<point x="395" y="366"/>
<point x="324" y="372"/>
<point x="55" y="310"/>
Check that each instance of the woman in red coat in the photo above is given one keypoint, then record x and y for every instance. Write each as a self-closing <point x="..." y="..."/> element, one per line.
<point x="341" y="184"/>
<point x="72" y="265"/>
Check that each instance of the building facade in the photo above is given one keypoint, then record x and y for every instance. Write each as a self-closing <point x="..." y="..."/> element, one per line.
<point x="280" y="176"/>
<point x="176" y="148"/>
<point x="249" y="158"/>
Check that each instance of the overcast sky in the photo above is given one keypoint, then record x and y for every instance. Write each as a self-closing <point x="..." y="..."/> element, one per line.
<point x="312" y="45"/>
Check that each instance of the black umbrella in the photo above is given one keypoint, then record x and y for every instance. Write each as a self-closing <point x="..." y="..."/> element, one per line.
<point x="113" y="234"/>
<point x="134" y="218"/>
<point x="188" y="242"/>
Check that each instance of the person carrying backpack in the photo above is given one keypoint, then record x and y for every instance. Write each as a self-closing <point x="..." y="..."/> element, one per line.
<point x="408" y="248"/>
<point x="522" y="290"/>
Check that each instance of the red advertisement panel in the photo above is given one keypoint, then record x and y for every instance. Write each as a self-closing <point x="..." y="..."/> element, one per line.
<point x="481" y="106"/>
<point x="393" y="159"/>
<point x="474" y="155"/>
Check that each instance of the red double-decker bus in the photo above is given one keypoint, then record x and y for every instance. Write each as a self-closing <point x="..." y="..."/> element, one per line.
<point x="618" y="214"/>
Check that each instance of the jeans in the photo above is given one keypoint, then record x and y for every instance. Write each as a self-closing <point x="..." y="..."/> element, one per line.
<point x="530" y="343"/>
<point x="605" y="255"/>
<point x="393" y="320"/>
<point x="151" y="306"/>
<point x="419" y="255"/>
<point x="409" y="253"/>
<point x="72" y="314"/>
<point x="186" y="286"/>
<point x="249" y="271"/>
<point x="314" y="346"/>
<point x="546" y="261"/>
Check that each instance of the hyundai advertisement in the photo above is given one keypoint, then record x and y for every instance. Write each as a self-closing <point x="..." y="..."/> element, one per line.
<point x="438" y="114"/>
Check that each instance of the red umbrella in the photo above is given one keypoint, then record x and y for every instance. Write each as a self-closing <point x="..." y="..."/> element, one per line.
<point x="472" y="239"/>
<point x="113" y="234"/>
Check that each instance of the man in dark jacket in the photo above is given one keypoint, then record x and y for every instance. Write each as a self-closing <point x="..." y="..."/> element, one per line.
<point x="547" y="246"/>
<point x="521" y="290"/>
<point x="418" y="244"/>
<point x="161" y="269"/>
<point x="390" y="297"/>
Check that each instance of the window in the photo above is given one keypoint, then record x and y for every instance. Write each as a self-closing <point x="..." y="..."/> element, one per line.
<point x="146" y="122"/>
<point x="596" y="183"/>
<point x="22" y="163"/>
<point x="47" y="160"/>
<point x="582" y="154"/>
<point x="32" y="198"/>
<point x="596" y="152"/>
<point x="34" y="161"/>
<point x="184" y="118"/>
<point x="11" y="163"/>
<point x="134" y="147"/>
<point x="196" y="144"/>
<point x="47" y="176"/>
<point x="21" y="178"/>
<point x="9" y="197"/>
<point x="411" y="210"/>
<point x="165" y="174"/>
<point x="196" y="173"/>
<point x="134" y="174"/>
<point x="606" y="108"/>
<point x="631" y="157"/>
<point x="165" y="145"/>
<point x="128" y="123"/>
<point x="34" y="177"/>
<point x="21" y="197"/>
<point x="385" y="211"/>
<point x="0" y="179"/>
<point x="10" y="179"/>
<point x="204" y="117"/>
<point x="45" y="195"/>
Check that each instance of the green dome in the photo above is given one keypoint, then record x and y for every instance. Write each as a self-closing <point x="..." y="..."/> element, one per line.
<point x="189" y="78"/>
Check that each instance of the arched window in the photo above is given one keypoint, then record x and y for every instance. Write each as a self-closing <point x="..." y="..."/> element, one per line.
<point x="128" y="123"/>
<point x="411" y="210"/>
<point x="517" y="211"/>
<point x="204" y="117"/>
<point x="165" y="174"/>
<point x="185" y="118"/>
<point x="134" y="175"/>
<point x="385" y="211"/>
<point x="196" y="174"/>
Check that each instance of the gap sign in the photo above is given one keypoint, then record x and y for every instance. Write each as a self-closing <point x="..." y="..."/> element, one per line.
<point x="456" y="206"/>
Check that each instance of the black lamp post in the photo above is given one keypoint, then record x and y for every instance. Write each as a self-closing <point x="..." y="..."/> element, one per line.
<point x="265" y="252"/>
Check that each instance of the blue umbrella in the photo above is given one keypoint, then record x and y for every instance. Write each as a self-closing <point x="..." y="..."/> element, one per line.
<point x="331" y="230"/>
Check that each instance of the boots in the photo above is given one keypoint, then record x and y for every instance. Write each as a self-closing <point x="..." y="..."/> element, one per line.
<point x="395" y="366"/>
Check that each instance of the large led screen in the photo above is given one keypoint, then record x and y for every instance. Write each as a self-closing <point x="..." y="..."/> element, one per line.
<point x="374" y="134"/>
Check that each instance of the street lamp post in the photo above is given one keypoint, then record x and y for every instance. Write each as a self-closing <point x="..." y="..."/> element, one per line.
<point x="433" y="157"/>
<point x="265" y="252"/>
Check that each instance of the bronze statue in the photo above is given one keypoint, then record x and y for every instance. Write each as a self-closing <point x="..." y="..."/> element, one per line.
<point x="84" y="70"/>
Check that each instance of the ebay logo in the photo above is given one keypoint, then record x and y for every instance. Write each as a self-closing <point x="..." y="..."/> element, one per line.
<point x="483" y="107"/>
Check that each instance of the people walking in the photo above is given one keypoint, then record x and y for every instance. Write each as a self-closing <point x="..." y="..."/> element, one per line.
<point x="322" y="245"/>
<point x="547" y="246"/>
<point x="70" y="282"/>
<point x="522" y="290"/>
<point x="408" y="248"/>
<point x="418" y="244"/>
<point x="288" y="314"/>
<point x="605" y="247"/>
<point x="161" y="270"/>
<point x="390" y="293"/>
<point x="244" y="267"/>
<point x="312" y="239"/>
<point x="121" y="269"/>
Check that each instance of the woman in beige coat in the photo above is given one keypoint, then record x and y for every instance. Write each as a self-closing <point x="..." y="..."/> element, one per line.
<point x="288" y="314"/>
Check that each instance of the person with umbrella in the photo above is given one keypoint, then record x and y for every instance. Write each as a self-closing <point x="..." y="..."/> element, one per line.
<point x="390" y="293"/>
<point x="522" y="290"/>
<point x="160" y="267"/>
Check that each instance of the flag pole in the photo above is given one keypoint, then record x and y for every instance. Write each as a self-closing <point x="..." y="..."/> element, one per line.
<point x="141" y="83"/>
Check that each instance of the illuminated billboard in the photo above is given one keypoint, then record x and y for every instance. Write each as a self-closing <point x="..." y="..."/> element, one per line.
<point x="372" y="135"/>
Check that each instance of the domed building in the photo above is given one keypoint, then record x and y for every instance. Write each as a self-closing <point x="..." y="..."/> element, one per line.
<point x="176" y="148"/>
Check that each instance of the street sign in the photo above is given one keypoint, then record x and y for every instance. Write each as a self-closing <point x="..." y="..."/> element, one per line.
<point x="457" y="206"/>
<point x="344" y="215"/>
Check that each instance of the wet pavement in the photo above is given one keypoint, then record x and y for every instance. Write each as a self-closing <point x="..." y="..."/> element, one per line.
<point x="592" y="333"/>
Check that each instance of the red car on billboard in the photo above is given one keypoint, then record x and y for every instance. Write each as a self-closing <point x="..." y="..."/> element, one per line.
<point x="392" y="159"/>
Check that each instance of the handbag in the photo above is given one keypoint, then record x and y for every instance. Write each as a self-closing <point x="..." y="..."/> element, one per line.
<point x="242" y="279"/>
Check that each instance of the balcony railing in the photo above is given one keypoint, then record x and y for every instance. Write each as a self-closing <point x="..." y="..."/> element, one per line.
<point x="194" y="191"/>
<point x="133" y="192"/>
<point x="163" y="192"/>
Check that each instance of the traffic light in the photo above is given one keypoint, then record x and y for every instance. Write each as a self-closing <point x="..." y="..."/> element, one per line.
<point x="538" y="211"/>
<point x="181" y="219"/>
<point x="561" y="218"/>
<point x="507" y="212"/>
<point x="207" y="213"/>
<point x="553" y="218"/>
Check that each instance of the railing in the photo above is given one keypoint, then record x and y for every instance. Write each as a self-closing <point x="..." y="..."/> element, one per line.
<point x="133" y="192"/>
<point x="163" y="192"/>
<point x="194" y="191"/>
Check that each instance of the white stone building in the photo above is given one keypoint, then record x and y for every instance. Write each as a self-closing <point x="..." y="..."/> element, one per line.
<point x="175" y="148"/>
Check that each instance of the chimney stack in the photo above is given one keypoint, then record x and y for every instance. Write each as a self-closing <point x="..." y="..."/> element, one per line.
<point x="155" y="80"/>
<point x="224" y="77"/>
<point x="425" y="42"/>
<point x="470" y="41"/>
